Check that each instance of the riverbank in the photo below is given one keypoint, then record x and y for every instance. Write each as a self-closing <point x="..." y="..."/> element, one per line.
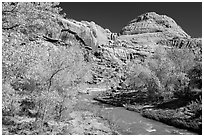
<point x="180" y="117"/>
<point x="83" y="118"/>
<point x="179" y="113"/>
<point x="90" y="117"/>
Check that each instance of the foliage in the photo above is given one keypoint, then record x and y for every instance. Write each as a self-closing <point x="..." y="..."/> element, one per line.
<point x="168" y="73"/>
<point x="195" y="75"/>
<point x="175" y="118"/>
<point x="141" y="77"/>
<point x="195" y="107"/>
<point x="23" y="24"/>
<point x="10" y="100"/>
<point x="30" y="18"/>
<point x="38" y="76"/>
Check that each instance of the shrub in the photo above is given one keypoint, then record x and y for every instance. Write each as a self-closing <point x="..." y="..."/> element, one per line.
<point x="10" y="100"/>
<point x="141" y="77"/>
<point x="38" y="76"/>
<point x="195" y="75"/>
<point x="195" y="107"/>
<point x="165" y="75"/>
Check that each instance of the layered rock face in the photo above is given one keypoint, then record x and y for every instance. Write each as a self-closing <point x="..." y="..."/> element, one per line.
<point x="89" y="33"/>
<point x="153" y="23"/>
<point x="138" y="40"/>
<point x="193" y="44"/>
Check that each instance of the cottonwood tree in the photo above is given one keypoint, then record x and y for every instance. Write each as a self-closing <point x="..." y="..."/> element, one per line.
<point x="23" y="25"/>
<point x="164" y="74"/>
<point x="30" y="18"/>
<point x="56" y="68"/>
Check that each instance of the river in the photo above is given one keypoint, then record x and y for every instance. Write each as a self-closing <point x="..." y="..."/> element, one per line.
<point x="132" y="123"/>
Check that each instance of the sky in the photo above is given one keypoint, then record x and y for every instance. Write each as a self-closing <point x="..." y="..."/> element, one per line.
<point x="115" y="15"/>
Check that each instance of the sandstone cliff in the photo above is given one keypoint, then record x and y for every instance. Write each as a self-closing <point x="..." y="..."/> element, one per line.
<point x="153" y="23"/>
<point x="137" y="40"/>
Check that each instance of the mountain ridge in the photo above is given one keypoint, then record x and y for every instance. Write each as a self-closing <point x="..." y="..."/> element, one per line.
<point x="49" y="61"/>
<point x="154" y="29"/>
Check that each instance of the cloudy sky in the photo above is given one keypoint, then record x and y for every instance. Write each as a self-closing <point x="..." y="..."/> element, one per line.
<point x="114" y="15"/>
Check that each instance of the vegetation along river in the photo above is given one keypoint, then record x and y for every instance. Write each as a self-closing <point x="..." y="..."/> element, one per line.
<point x="129" y="122"/>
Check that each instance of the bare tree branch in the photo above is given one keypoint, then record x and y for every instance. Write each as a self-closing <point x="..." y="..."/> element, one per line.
<point x="9" y="11"/>
<point x="50" y="39"/>
<point x="53" y="74"/>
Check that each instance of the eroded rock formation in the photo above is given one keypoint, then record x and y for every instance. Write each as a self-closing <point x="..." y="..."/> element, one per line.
<point x="89" y="33"/>
<point x="194" y="44"/>
<point x="154" y="23"/>
<point x="137" y="40"/>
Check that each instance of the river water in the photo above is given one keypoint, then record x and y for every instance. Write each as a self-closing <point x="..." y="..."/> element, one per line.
<point x="132" y="123"/>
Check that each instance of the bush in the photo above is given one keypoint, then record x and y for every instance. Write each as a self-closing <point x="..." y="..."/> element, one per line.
<point x="38" y="76"/>
<point x="195" y="75"/>
<point x="165" y="75"/>
<point x="10" y="101"/>
<point x="195" y="107"/>
<point x="140" y="77"/>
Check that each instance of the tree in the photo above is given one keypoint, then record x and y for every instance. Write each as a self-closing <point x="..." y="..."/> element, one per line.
<point x="23" y="23"/>
<point x="30" y="61"/>
<point x="30" y="18"/>
<point x="165" y="74"/>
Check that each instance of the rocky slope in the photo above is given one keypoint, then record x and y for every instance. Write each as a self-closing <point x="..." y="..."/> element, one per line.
<point x="110" y="52"/>
<point x="194" y="44"/>
<point x="107" y="54"/>
<point x="137" y="40"/>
